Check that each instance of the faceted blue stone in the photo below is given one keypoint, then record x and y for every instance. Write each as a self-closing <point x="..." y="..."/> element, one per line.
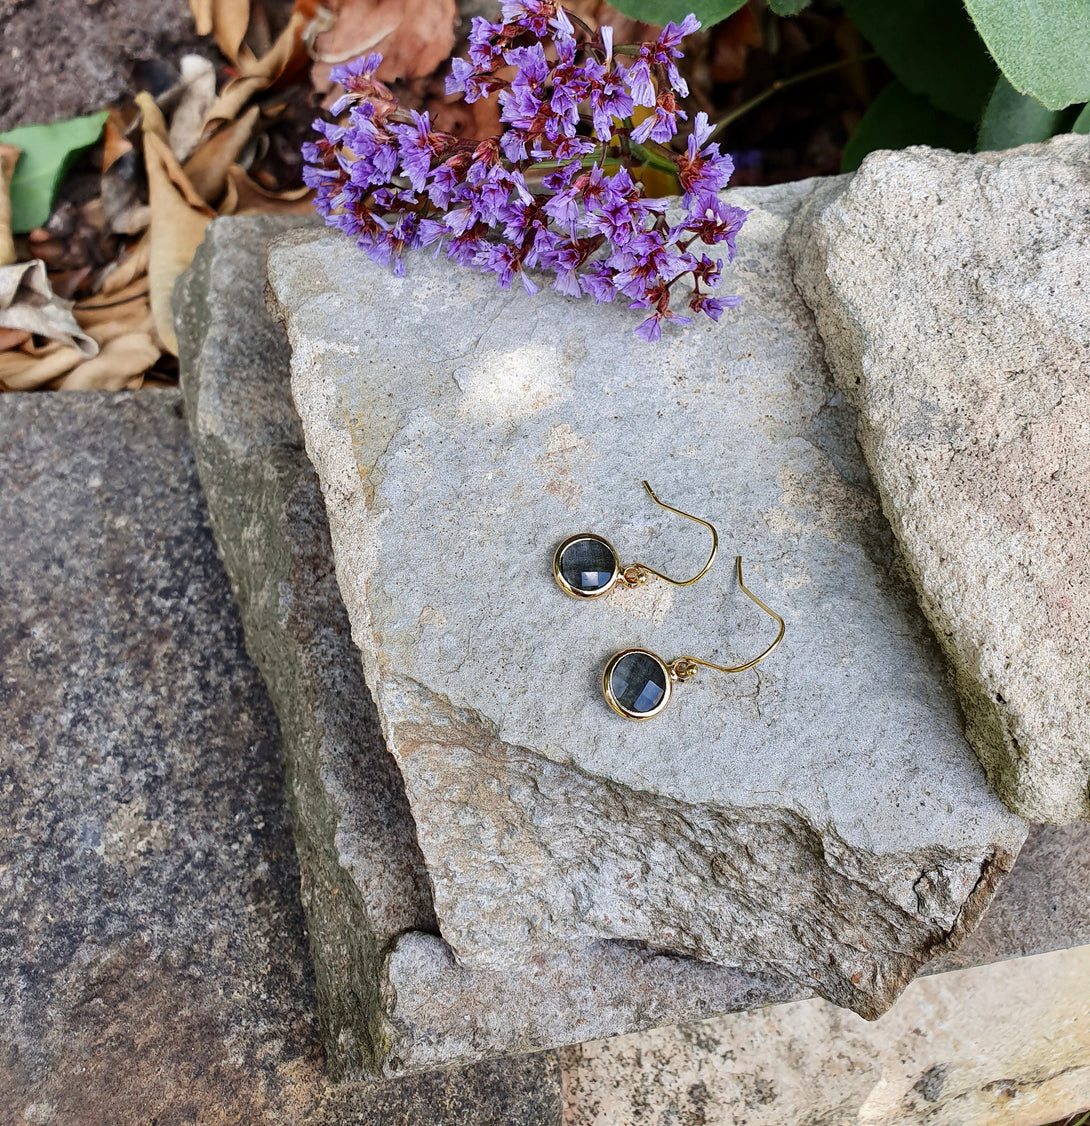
<point x="638" y="683"/>
<point x="588" y="564"/>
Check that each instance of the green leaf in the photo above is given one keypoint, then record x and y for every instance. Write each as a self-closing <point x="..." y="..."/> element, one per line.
<point x="932" y="47"/>
<point x="1081" y="123"/>
<point x="788" y="7"/>
<point x="661" y="12"/>
<point x="48" y="152"/>
<point x="1012" y="119"/>
<point x="1042" y="46"/>
<point x="898" y="118"/>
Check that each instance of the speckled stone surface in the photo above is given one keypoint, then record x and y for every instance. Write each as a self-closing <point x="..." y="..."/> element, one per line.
<point x="820" y="817"/>
<point x="153" y="964"/>
<point x="152" y="957"/>
<point x="390" y="993"/>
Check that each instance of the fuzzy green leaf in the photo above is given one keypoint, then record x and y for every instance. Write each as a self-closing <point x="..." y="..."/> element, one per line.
<point x="1012" y="119"/>
<point x="898" y="118"/>
<point x="1042" y="46"/>
<point x="932" y="47"/>
<point x="1081" y="123"/>
<point x="788" y="7"/>
<point x="48" y="152"/>
<point x="661" y="12"/>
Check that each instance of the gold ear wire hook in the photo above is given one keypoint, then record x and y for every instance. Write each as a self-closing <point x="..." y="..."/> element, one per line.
<point x="636" y="572"/>
<point x="684" y="667"/>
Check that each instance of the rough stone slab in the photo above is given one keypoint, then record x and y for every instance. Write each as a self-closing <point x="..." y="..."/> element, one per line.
<point x="390" y="994"/>
<point x="153" y="965"/>
<point x="1001" y="1045"/>
<point x="952" y="296"/>
<point x="820" y="817"/>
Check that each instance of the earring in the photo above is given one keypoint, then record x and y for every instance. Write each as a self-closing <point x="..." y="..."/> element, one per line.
<point x="637" y="683"/>
<point x="586" y="565"/>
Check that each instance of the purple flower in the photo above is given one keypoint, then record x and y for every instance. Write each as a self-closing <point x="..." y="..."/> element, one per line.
<point x="666" y="49"/>
<point x="484" y="52"/>
<point x="638" y="80"/>
<point x="393" y="181"/>
<point x="713" y="306"/>
<point x="598" y="282"/>
<point x="417" y="145"/>
<point x="662" y="124"/>
<point x="703" y="170"/>
<point x="504" y="262"/>
<point x="358" y="80"/>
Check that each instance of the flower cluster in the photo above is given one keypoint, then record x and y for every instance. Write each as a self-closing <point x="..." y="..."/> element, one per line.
<point x="555" y="191"/>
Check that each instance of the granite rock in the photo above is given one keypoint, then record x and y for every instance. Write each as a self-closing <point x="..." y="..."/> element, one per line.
<point x="152" y="957"/>
<point x="820" y="817"/>
<point x="951" y="294"/>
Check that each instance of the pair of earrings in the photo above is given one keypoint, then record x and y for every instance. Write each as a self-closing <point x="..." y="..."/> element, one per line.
<point x="637" y="683"/>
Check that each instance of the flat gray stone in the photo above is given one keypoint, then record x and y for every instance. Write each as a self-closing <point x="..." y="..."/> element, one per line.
<point x="821" y="817"/>
<point x="242" y="383"/>
<point x="391" y="995"/>
<point x="951" y="293"/>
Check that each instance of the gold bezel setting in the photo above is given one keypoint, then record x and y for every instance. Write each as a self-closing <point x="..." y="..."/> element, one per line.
<point x="611" y="698"/>
<point x="575" y="592"/>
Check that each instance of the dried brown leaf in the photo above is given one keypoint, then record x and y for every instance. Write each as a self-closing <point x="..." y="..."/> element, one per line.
<point x="110" y="330"/>
<point x="413" y="36"/>
<point x="12" y="338"/>
<point x="28" y="304"/>
<point x="119" y="361"/>
<point x="9" y="157"/>
<point x="125" y="305"/>
<point x="203" y="16"/>
<point x="178" y="219"/>
<point x="196" y="95"/>
<point x="285" y="60"/>
<point x="151" y="117"/>
<point x="22" y="372"/>
<point x="128" y="269"/>
<point x="227" y="20"/>
<point x="245" y="197"/>
<point x="207" y="167"/>
<point x="730" y="45"/>
<point x="115" y="144"/>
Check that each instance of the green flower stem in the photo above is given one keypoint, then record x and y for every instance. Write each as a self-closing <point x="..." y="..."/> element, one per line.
<point x="782" y="84"/>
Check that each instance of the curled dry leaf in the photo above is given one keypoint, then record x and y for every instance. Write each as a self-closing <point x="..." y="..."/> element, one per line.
<point x="28" y="304"/>
<point x="151" y="117"/>
<point x="27" y="371"/>
<point x="12" y="338"/>
<point x="178" y="219"/>
<point x="245" y="197"/>
<point x="122" y="359"/>
<point x="227" y="20"/>
<point x="9" y="157"/>
<point x="196" y="96"/>
<point x="285" y="60"/>
<point x="131" y="267"/>
<point x="413" y="36"/>
<point x="730" y="44"/>
<point x="207" y="167"/>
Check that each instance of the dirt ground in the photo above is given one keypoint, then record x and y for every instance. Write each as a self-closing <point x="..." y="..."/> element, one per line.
<point x="59" y="58"/>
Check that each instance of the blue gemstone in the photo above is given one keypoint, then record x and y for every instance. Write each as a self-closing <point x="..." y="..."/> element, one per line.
<point x="638" y="683"/>
<point x="588" y="564"/>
